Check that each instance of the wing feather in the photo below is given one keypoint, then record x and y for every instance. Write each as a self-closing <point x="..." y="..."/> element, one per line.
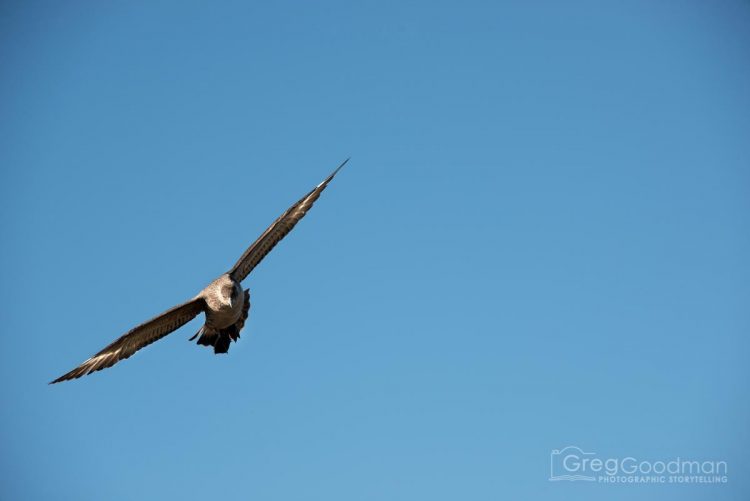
<point x="278" y="230"/>
<point x="137" y="338"/>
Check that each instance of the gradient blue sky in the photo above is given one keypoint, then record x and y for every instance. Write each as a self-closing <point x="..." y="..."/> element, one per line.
<point x="541" y="240"/>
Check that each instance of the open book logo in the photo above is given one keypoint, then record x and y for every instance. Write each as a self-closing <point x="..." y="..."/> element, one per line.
<point x="565" y="464"/>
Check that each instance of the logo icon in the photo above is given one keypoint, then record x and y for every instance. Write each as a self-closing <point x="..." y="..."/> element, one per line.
<point x="569" y="464"/>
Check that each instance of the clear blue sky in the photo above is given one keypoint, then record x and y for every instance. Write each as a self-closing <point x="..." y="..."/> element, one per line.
<point x="541" y="240"/>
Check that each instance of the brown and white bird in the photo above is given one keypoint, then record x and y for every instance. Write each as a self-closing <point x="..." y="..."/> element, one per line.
<point x="223" y="301"/>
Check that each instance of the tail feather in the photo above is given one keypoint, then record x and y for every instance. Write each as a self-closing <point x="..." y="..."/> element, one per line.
<point x="208" y="336"/>
<point x="222" y="344"/>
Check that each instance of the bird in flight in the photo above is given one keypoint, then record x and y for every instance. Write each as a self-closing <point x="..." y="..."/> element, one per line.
<point x="223" y="301"/>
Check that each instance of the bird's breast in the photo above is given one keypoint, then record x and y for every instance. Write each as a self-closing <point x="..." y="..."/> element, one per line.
<point x="221" y="315"/>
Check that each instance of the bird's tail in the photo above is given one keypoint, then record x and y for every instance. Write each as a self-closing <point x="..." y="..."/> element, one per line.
<point x="220" y="338"/>
<point x="210" y="336"/>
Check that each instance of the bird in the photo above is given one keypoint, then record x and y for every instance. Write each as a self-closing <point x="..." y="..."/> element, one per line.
<point x="225" y="304"/>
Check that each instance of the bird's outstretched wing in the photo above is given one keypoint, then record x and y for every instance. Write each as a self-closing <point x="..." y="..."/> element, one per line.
<point x="278" y="230"/>
<point x="137" y="338"/>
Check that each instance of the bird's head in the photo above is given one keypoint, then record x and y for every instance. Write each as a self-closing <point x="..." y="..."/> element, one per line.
<point x="229" y="293"/>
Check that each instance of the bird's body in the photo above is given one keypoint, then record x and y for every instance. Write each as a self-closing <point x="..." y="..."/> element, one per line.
<point x="224" y="301"/>
<point x="226" y="308"/>
<point x="225" y="305"/>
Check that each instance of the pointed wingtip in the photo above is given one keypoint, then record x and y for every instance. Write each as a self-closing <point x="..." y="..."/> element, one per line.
<point x="333" y="174"/>
<point x="340" y="166"/>
<point x="69" y="376"/>
<point x="64" y="377"/>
